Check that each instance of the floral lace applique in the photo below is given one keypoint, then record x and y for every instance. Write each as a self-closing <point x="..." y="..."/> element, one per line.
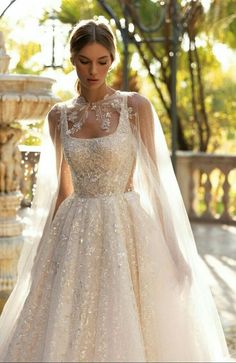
<point x="103" y="109"/>
<point x="131" y="113"/>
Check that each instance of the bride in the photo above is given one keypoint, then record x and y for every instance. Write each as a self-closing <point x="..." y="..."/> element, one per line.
<point x="110" y="272"/>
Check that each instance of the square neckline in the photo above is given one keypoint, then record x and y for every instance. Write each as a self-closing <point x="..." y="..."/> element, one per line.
<point x="86" y="139"/>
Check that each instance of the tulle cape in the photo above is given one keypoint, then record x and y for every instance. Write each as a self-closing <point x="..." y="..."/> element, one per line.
<point x="155" y="181"/>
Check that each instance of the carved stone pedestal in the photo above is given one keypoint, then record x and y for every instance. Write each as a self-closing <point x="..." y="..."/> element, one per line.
<point x="11" y="242"/>
<point x="22" y="97"/>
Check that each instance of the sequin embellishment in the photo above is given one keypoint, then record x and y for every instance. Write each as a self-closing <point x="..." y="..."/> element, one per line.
<point x="103" y="112"/>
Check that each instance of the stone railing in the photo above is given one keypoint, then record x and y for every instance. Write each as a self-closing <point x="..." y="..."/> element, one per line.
<point x="208" y="186"/>
<point x="207" y="183"/>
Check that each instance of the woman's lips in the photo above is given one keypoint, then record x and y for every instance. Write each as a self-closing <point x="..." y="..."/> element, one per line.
<point x="92" y="80"/>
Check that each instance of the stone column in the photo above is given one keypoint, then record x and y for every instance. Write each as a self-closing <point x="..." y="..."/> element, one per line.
<point x="10" y="198"/>
<point x="22" y="97"/>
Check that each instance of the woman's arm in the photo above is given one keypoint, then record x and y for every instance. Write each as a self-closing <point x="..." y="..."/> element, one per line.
<point x="64" y="174"/>
<point x="143" y="121"/>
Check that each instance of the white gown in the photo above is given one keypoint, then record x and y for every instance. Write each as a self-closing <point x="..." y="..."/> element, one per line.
<point x="104" y="284"/>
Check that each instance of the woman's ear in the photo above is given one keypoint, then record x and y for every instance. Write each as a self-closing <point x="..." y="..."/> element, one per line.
<point x="72" y="60"/>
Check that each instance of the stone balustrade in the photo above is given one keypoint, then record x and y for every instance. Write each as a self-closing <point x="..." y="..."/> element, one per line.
<point x="207" y="183"/>
<point x="208" y="186"/>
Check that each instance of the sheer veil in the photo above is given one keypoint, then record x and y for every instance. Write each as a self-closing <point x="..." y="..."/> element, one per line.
<point x="37" y="227"/>
<point x="156" y="184"/>
<point x="155" y="181"/>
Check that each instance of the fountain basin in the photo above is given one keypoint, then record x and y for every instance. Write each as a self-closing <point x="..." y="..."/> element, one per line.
<point x="24" y="97"/>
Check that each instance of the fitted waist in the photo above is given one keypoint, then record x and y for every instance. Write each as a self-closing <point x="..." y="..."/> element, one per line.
<point x="127" y="193"/>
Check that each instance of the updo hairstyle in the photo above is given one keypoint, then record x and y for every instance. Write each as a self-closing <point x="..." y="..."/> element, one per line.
<point x="90" y="31"/>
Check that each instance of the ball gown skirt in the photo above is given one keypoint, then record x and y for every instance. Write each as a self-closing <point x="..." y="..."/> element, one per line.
<point x="104" y="286"/>
<point x="116" y="300"/>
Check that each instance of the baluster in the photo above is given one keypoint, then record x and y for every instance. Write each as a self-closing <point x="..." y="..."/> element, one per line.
<point x="207" y="198"/>
<point x="193" y="191"/>
<point x="226" y="187"/>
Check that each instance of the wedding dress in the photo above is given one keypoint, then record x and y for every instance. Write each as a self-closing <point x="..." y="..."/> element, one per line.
<point x="115" y="275"/>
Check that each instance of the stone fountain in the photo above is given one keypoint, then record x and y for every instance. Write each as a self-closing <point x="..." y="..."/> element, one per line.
<point x="22" y="97"/>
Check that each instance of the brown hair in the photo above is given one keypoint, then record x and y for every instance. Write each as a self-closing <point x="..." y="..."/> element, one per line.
<point x="90" y="31"/>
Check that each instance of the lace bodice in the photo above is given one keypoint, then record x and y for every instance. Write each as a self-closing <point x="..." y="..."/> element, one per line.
<point x="101" y="165"/>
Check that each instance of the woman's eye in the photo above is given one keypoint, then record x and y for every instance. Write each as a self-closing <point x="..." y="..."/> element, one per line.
<point x="87" y="62"/>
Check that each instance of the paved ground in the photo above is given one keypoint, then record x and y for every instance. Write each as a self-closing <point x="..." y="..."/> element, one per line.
<point x="217" y="246"/>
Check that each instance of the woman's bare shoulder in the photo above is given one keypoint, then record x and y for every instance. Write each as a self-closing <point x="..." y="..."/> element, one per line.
<point x="54" y="119"/>
<point x="55" y="112"/>
<point x="137" y="100"/>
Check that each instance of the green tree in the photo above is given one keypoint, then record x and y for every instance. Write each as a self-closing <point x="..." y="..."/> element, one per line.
<point x="198" y="70"/>
<point x="72" y="11"/>
<point x="159" y="55"/>
<point x="195" y="62"/>
<point x="221" y="21"/>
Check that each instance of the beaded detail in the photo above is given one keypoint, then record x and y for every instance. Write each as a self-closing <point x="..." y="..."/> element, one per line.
<point x="102" y="165"/>
<point x="102" y="109"/>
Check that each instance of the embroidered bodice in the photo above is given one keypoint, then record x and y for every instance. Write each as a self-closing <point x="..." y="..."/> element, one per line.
<point x="101" y="165"/>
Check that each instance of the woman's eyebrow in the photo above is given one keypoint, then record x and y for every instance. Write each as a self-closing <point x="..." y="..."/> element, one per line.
<point x="103" y="57"/>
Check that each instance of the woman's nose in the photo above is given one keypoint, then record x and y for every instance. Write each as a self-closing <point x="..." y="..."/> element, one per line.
<point x="93" y="69"/>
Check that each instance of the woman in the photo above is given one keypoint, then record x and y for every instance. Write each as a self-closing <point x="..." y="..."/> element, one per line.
<point x="115" y="277"/>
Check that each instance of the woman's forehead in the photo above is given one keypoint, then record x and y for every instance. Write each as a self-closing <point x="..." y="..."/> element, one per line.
<point x="94" y="50"/>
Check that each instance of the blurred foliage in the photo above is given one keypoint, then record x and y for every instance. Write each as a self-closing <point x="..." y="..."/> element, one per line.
<point x="117" y="79"/>
<point x="220" y="90"/>
<point x="25" y="52"/>
<point x="71" y="11"/>
<point x="206" y="29"/>
<point x="221" y="21"/>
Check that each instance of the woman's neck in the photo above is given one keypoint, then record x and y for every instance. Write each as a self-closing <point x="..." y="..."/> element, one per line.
<point x="91" y="95"/>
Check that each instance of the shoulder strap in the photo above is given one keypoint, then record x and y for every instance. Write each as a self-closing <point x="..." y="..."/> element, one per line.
<point x="63" y="120"/>
<point x="125" y="116"/>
